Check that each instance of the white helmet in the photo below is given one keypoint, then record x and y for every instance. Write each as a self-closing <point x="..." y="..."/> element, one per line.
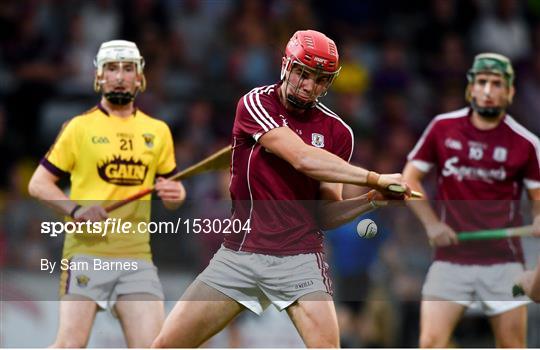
<point x="118" y="51"/>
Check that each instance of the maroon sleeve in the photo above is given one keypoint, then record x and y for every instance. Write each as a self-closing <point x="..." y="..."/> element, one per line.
<point x="255" y="116"/>
<point x="345" y="145"/>
<point x="532" y="171"/>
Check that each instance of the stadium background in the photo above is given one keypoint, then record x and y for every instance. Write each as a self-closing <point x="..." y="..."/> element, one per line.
<point x="403" y="62"/>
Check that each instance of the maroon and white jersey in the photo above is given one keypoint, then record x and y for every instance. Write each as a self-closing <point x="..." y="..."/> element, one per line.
<point x="279" y="201"/>
<point x="480" y="178"/>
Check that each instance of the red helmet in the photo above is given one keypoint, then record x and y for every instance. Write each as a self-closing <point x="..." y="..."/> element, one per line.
<point x="313" y="49"/>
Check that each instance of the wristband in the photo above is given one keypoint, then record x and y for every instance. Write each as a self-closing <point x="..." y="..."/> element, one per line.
<point x="74" y="210"/>
<point x="372" y="178"/>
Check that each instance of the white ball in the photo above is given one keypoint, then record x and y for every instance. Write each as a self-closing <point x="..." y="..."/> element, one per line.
<point x="366" y="228"/>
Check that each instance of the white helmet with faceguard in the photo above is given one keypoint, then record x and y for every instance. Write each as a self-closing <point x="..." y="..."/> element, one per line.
<point x="118" y="51"/>
<point x="314" y="52"/>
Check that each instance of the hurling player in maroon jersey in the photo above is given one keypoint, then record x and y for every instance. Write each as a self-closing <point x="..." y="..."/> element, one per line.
<point x="483" y="159"/>
<point x="287" y="147"/>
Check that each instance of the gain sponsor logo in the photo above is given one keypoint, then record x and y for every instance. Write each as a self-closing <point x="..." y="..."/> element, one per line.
<point x="461" y="172"/>
<point x="123" y="172"/>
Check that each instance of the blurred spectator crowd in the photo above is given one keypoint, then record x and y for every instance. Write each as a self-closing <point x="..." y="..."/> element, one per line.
<point x="402" y="63"/>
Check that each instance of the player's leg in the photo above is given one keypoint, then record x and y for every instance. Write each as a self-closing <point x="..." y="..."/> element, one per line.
<point x="314" y="316"/>
<point x="139" y="304"/>
<point x="510" y="328"/>
<point x="77" y="314"/>
<point x="438" y="318"/>
<point x="201" y="313"/>
<point x="224" y="289"/>
<point x="446" y="284"/>
<point x="507" y="315"/>
<point x="141" y="316"/>
<point x="300" y="284"/>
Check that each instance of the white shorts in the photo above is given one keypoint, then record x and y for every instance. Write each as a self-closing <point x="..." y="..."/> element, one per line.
<point x="258" y="280"/>
<point x="484" y="287"/>
<point x="104" y="279"/>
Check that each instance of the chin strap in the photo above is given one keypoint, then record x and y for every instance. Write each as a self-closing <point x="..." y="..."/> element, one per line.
<point x="119" y="98"/>
<point x="487" y="112"/>
<point x="298" y="104"/>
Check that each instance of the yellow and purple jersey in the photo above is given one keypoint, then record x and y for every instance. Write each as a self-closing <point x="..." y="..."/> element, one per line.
<point x="110" y="158"/>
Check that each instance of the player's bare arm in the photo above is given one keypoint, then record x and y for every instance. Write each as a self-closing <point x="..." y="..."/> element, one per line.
<point x="321" y="164"/>
<point x="336" y="211"/>
<point x="43" y="186"/>
<point x="439" y="233"/>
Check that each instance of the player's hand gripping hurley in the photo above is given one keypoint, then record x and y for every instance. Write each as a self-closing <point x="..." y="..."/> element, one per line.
<point x="387" y="185"/>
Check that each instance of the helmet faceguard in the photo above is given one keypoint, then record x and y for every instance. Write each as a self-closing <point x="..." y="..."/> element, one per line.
<point x="490" y="63"/>
<point x="315" y="54"/>
<point x="119" y="51"/>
